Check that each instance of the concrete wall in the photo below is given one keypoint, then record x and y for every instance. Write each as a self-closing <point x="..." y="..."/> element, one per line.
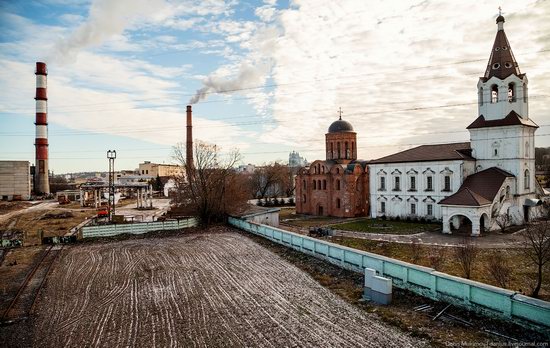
<point x="15" y="180"/>
<point x="137" y="228"/>
<point x="497" y="302"/>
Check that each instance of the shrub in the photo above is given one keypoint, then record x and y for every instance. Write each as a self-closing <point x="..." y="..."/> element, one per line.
<point x="466" y="255"/>
<point x="416" y="250"/>
<point x="383" y="217"/>
<point x="436" y="257"/>
<point x="260" y="203"/>
<point x="408" y="219"/>
<point x="499" y="269"/>
<point x="397" y="218"/>
<point x="291" y="201"/>
<point x="422" y="220"/>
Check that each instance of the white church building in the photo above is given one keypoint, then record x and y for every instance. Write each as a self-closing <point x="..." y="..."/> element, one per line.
<point x="474" y="182"/>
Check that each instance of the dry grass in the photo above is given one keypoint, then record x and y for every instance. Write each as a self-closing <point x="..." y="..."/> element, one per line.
<point x="519" y="280"/>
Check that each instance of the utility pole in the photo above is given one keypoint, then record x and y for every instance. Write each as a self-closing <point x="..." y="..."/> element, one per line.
<point x="111" y="155"/>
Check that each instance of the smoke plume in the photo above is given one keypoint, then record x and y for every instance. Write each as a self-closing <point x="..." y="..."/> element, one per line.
<point x="248" y="77"/>
<point x="107" y="18"/>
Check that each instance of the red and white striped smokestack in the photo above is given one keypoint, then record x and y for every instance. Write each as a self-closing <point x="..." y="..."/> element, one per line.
<point x="41" y="182"/>
<point x="189" y="141"/>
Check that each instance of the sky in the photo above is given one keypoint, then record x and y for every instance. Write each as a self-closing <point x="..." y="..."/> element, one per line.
<point x="265" y="77"/>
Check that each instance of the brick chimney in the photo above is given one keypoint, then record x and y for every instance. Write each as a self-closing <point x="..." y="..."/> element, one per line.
<point x="189" y="141"/>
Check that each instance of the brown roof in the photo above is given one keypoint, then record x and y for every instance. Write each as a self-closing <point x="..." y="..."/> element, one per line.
<point x="502" y="62"/>
<point x="426" y="153"/>
<point x="513" y="119"/>
<point x="478" y="189"/>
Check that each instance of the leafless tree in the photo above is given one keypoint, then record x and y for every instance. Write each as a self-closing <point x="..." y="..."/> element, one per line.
<point x="499" y="269"/>
<point x="536" y="242"/>
<point x="416" y="250"/>
<point x="436" y="257"/>
<point x="466" y="255"/>
<point x="270" y="179"/>
<point x="211" y="189"/>
<point x="503" y="221"/>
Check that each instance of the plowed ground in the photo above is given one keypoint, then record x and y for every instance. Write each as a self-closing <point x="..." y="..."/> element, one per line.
<point x="200" y="290"/>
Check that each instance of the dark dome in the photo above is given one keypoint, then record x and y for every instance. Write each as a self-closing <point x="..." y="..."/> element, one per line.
<point x="500" y="18"/>
<point x="340" y="126"/>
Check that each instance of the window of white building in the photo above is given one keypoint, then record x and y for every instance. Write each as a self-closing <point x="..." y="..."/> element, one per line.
<point x="526" y="179"/>
<point x="397" y="183"/>
<point x="413" y="183"/>
<point x="429" y="183"/>
<point x="383" y="207"/>
<point x="494" y="94"/>
<point x="382" y="183"/>
<point x="447" y="183"/>
<point x="413" y="208"/>
<point x="430" y="209"/>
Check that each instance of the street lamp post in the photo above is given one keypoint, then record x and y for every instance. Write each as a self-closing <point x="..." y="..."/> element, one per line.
<point x="111" y="155"/>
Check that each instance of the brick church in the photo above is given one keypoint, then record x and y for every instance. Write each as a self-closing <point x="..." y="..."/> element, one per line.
<point x="339" y="185"/>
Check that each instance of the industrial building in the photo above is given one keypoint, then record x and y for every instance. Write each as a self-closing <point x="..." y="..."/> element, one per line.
<point x="15" y="180"/>
<point x="155" y="169"/>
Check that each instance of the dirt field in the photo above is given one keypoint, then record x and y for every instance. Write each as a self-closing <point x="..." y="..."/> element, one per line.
<point x="214" y="289"/>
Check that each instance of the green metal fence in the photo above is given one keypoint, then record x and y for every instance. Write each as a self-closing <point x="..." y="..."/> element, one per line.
<point x="498" y="302"/>
<point x="136" y="228"/>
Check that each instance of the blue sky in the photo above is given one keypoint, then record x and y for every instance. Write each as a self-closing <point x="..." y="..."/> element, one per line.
<point x="275" y="73"/>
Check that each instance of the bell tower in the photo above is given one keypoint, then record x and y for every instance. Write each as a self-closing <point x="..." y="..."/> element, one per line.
<point x="503" y="88"/>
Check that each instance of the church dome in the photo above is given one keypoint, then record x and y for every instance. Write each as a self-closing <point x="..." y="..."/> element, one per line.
<point x="340" y="126"/>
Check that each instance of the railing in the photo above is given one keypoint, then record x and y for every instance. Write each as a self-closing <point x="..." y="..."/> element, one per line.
<point x="136" y="228"/>
<point x="497" y="302"/>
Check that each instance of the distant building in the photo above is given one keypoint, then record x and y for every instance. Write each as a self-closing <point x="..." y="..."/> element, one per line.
<point x="295" y="160"/>
<point x="246" y="168"/>
<point x="156" y="169"/>
<point x="15" y="180"/>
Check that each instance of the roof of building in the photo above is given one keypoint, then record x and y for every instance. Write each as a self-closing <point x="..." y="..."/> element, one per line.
<point x="426" y="153"/>
<point x="478" y="189"/>
<point x="340" y="126"/>
<point x="502" y="62"/>
<point x="513" y="119"/>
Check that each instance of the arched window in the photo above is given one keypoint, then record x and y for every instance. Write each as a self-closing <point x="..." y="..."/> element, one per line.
<point x="318" y="184"/>
<point x="511" y="92"/>
<point x="337" y="170"/>
<point x="324" y="184"/>
<point x="480" y="96"/>
<point x="525" y="93"/>
<point x="527" y="149"/>
<point x="494" y="94"/>
<point x="314" y="185"/>
<point x="323" y="169"/>
<point x="331" y="150"/>
<point x="353" y="151"/>
<point x="526" y="179"/>
<point x="304" y="198"/>
<point x="338" y="203"/>
<point x="496" y="152"/>
<point x="338" y="150"/>
<point x="347" y="150"/>
<point x="338" y="185"/>
<point x="304" y="184"/>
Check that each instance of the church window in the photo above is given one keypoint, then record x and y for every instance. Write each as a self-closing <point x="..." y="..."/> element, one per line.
<point x="353" y="150"/>
<point x="497" y="49"/>
<point x="511" y="92"/>
<point x="525" y="93"/>
<point x="318" y="184"/>
<point x="397" y="183"/>
<point x="338" y="185"/>
<point x="429" y="183"/>
<point x="504" y="48"/>
<point x="430" y="210"/>
<point x="314" y="185"/>
<point x="447" y="183"/>
<point x="347" y="150"/>
<point x="304" y="184"/>
<point x="413" y="183"/>
<point x="338" y="149"/>
<point x="480" y="96"/>
<point x="496" y="66"/>
<point x="338" y="203"/>
<point x="323" y="169"/>
<point x="304" y="198"/>
<point x="508" y="65"/>
<point x="382" y="183"/>
<point x="496" y="153"/>
<point x="337" y="170"/>
<point x="526" y="180"/>
<point x="494" y="94"/>
<point x="331" y="150"/>
<point x="383" y="207"/>
<point x="324" y="184"/>
<point x="413" y="208"/>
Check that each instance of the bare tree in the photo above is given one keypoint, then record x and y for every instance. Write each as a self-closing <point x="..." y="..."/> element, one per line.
<point x="416" y="250"/>
<point x="211" y="189"/>
<point x="503" y="221"/>
<point x="499" y="269"/>
<point x="536" y="242"/>
<point x="466" y="255"/>
<point x="436" y="257"/>
<point x="270" y="179"/>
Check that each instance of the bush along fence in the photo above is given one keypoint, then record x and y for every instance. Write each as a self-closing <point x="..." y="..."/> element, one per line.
<point x="490" y="300"/>
<point x="137" y="228"/>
